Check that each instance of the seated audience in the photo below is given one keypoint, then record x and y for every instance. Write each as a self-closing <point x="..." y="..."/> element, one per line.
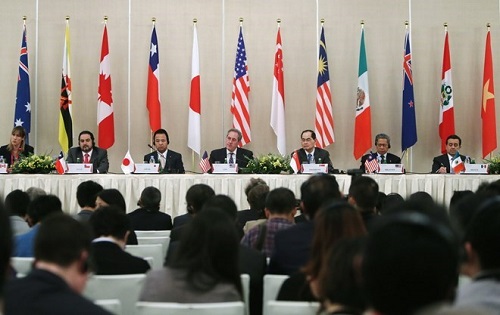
<point x="363" y="195"/>
<point x="148" y="217"/>
<point x="111" y="228"/>
<point x="86" y="194"/>
<point x="333" y="222"/>
<point x="34" y="192"/>
<point x="60" y="273"/>
<point x="5" y="252"/>
<point x="38" y="210"/>
<point x="280" y="210"/>
<point x="16" y="204"/>
<point x="391" y="201"/>
<point x="257" y="200"/>
<point x="113" y="197"/>
<point x="256" y="210"/>
<point x="205" y="266"/>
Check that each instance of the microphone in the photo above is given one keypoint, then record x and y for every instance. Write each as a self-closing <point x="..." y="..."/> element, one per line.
<point x="151" y="147"/>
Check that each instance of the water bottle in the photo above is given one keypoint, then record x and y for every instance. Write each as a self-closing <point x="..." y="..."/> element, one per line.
<point x="2" y="160"/>
<point x="152" y="160"/>
<point x="78" y="160"/>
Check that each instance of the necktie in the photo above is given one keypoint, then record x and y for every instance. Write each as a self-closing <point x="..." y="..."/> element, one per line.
<point x="310" y="158"/>
<point x="86" y="158"/>
<point x="382" y="159"/>
<point x="162" y="161"/>
<point x="231" y="160"/>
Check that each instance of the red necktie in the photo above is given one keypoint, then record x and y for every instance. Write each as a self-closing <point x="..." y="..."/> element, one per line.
<point x="86" y="158"/>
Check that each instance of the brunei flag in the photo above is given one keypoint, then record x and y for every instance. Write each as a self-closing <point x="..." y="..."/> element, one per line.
<point x="65" y="103"/>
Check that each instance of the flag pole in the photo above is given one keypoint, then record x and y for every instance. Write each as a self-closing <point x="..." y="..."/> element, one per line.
<point x="195" y="20"/>
<point x="409" y="156"/>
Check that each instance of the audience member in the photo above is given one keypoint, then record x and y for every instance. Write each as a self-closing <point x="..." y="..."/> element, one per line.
<point x="60" y="272"/>
<point x="380" y="202"/>
<point x="334" y="221"/>
<point x="34" y="192"/>
<point x="232" y="154"/>
<point x="255" y="200"/>
<point x="339" y="285"/>
<point x="457" y="196"/>
<point x="391" y="201"/>
<point x="16" y="204"/>
<point x="16" y="148"/>
<point x="38" y="210"/>
<point x="421" y="201"/>
<point x="363" y="194"/>
<point x="309" y="153"/>
<point x="280" y="210"/>
<point x="5" y="251"/>
<point x="410" y="264"/>
<point x="87" y="152"/>
<point x="382" y="145"/>
<point x="113" y="197"/>
<point x="86" y="194"/>
<point x="205" y="267"/>
<point x="149" y="217"/>
<point x="169" y="160"/>
<point x="111" y="228"/>
<point x="196" y="196"/>
<point x="292" y="246"/>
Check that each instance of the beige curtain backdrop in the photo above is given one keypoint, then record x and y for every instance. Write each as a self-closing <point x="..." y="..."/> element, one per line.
<point x="129" y="30"/>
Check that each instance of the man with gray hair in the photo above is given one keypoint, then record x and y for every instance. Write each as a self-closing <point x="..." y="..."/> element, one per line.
<point x="382" y="145"/>
<point x="231" y="153"/>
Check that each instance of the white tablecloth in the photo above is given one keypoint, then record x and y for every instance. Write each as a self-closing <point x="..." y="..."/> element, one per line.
<point x="174" y="187"/>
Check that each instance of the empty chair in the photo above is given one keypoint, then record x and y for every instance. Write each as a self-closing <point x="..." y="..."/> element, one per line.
<point x="272" y="285"/>
<point x="163" y="240"/>
<point x="125" y="288"/>
<point x="245" y="284"/>
<point x="292" y="308"/>
<point x="22" y="264"/>
<point x="141" y="233"/>
<point x="148" y="250"/>
<point x="111" y="305"/>
<point x="223" y="308"/>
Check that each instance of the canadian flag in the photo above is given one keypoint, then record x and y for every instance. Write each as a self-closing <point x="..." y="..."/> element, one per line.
<point x="128" y="165"/>
<point x="105" y="117"/>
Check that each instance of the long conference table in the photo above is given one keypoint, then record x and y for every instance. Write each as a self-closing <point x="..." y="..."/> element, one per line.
<point x="174" y="187"/>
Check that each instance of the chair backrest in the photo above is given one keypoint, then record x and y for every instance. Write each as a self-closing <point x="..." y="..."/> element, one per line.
<point x="149" y="250"/>
<point x="292" y="308"/>
<point x="272" y="285"/>
<point x="245" y="284"/>
<point x="111" y="305"/>
<point x="163" y="240"/>
<point x="22" y="264"/>
<point x="141" y="233"/>
<point x="225" y="308"/>
<point x="125" y="288"/>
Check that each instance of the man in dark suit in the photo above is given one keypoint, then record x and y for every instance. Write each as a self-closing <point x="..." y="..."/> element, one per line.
<point x="441" y="164"/>
<point x="383" y="144"/>
<point x="111" y="227"/>
<point x="87" y="152"/>
<point x="170" y="161"/>
<point x="148" y="217"/>
<point x="309" y="153"/>
<point x="231" y="153"/>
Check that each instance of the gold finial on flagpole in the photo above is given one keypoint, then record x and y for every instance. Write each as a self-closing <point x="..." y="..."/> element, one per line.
<point x="407" y="24"/>
<point x="362" y="24"/>
<point x="105" y="19"/>
<point x="153" y="19"/>
<point x="67" y="17"/>
<point x="195" y="20"/>
<point x="24" y="19"/>
<point x="322" y="21"/>
<point x="488" y="25"/>
<point x="241" y="21"/>
<point x="278" y="21"/>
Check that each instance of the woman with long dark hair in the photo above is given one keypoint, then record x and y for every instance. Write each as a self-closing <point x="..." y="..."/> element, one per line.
<point x="17" y="146"/>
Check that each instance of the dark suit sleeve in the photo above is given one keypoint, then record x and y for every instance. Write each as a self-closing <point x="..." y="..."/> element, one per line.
<point x="178" y="166"/>
<point x="213" y="157"/>
<point x="102" y="161"/>
<point x="71" y="158"/>
<point x="363" y="160"/>
<point x="247" y="156"/>
<point x="436" y="164"/>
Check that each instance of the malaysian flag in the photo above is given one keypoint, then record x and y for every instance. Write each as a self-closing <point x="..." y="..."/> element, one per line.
<point x="205" y="163"/>
<point x="371" y="164"/>
<point x="241" y="87"/>
<point x="22" y="116"/>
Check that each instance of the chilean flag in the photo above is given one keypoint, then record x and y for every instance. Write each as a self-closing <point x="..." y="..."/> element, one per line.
<point x="105" y="117"/>
<point x="153" y="98"/>
<point x="61" y="165"/>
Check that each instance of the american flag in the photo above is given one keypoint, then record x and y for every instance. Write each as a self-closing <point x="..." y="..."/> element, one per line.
<point x="22" y="116"/>
<point x="205" y="163"/>
<point x="371" y="164"/>
<point x="324" y="117"/>
<point x="241" y="87"/>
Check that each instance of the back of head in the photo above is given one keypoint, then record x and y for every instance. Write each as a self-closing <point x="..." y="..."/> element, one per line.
<point x="87" y="192"/>
<point x="280" y="201"/>
<point x="150" y="198"/>
<point x="224" y="203"/>
<point x="256" y="197"/>
<point x="317" y="190"/>
<point x="113" y="197"/>
<point x="34" y="192"/>
<point x="16" y="203"/>
<point x="61" y="240"/>
<point x="253" y="183"/>
<point x="489" y="189"/>
<point x="44" y="206"/>
<point x="5" y="246"/>
<point x="109" y="221"/>
<point x="196" y="196"/>
<point x="410" y="262"/>
<point x="209" y="247"/>
<point x="391" y="201"/>
<point x="421" y="201"/>
<point x="483" y="234"/>
<point x="364" y="190"/>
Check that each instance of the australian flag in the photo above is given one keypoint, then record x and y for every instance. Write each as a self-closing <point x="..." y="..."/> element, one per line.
<point x="22" y="116"/>
<point x="409" y="124"/>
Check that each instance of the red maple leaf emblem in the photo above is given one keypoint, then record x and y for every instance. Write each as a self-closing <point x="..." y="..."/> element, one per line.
<point x="105" y="89"/>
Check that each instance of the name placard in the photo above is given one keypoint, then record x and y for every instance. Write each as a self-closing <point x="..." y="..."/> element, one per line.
<point x="80" y="168"/>
<point x="224" y="168"/>
<point x="476" y="168"/>
<point x="147" y="168"/>
<point x="314" y="168"/>
<point x="391" y="169"/>
<point x="3" y="168"/>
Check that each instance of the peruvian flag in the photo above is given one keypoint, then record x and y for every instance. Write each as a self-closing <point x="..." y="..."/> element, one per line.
<point x="105" y="117"/>
<point x="153" y="95"/>
<point x="278" y="101"/>
<point x="363" y="122"/>
<point x="194" y="128"/>
<point x="446" y="111"/>
<point x="488" y="102"/>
